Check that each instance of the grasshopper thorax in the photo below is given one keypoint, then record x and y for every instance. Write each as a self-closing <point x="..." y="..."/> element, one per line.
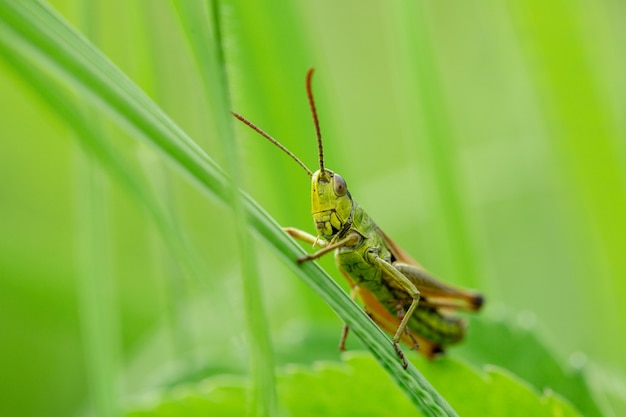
<point x="331" y="204"/>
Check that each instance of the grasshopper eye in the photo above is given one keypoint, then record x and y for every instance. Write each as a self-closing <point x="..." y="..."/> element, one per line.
<point x="339" y="185"/>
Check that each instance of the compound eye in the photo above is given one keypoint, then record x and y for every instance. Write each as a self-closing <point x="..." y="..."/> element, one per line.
<point x="340" y="185"/>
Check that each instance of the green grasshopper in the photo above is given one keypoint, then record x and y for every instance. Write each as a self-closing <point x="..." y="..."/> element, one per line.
<point x="397" y="292"/>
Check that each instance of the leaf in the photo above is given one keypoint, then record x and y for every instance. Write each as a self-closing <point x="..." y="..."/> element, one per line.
<point x="358" y="386"/>
<point x="516" y="343"/>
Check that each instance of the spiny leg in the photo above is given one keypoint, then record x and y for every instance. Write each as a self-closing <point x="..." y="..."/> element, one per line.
<point x="407" y="331"/>
<point x="346" y="328"/>
<point x="401" y="328"/>
<point x="397" y="280"/>
<point x="407" y="316"/>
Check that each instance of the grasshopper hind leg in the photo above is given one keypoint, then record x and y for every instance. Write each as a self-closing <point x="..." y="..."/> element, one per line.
<point x="397" y="280"/>
<point x="400" y="353"/>
<point x="400" y="313"/>
<point x="402" y="328"/>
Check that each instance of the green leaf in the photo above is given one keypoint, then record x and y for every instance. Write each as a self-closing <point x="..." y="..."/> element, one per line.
<point x="516" y="344"/>
<point x="358" y="386"/>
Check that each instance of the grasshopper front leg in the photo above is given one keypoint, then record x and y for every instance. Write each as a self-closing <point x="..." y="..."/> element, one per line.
<point x="305" y="237"/>
<point x="351" y="239"/>
<point x="327" y="247"/>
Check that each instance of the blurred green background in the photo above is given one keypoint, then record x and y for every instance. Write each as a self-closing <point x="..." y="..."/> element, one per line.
<point x="487" y="138"/>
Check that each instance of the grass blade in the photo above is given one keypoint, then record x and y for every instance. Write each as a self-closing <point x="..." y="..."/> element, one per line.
<point x="209" y="54"/>
<point x="95" y="292"/>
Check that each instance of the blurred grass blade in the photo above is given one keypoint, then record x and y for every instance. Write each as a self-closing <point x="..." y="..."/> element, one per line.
<point x="414" y="37"/>
<point x="95" y="292"/>
<point x="97" y="306"/>
<point x="586" y="141"/>
<point x="168" y="265"/>
<point x="203" y="31"/>
<point x="34" y="37"/>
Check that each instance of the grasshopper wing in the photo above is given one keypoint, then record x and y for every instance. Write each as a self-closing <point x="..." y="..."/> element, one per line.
<point x="435" y="293"/>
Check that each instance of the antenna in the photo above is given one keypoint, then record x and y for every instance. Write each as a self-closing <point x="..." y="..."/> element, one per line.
<point x="274" y="141"/>
<point x="309" y="92"/>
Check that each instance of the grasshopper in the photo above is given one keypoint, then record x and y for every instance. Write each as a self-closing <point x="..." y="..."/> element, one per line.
<point x="399" y="295"/>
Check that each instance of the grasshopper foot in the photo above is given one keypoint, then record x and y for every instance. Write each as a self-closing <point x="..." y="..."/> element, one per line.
<point x="405" y="364"/>
<point x="304" y="259"/>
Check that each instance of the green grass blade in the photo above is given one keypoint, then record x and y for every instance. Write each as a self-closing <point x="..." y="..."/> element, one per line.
<point x="171" y="264"/>
<point x="556" y="38"/>
<point x="97" y="300"/>
<point x="98" y="143"/>
<point x="95" y="292"/>
<point x="207" y="46"/>
<point x="413" y="35"/>
<point x="125" y="173"/>
<point x="32" y="34"/>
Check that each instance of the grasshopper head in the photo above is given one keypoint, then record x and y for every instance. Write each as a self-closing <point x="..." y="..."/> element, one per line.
<point x="330" y="200"/>
<point x="331" y="203"/>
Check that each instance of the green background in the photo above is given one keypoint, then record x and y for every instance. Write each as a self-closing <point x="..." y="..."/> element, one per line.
<point x="487" y="138"/>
